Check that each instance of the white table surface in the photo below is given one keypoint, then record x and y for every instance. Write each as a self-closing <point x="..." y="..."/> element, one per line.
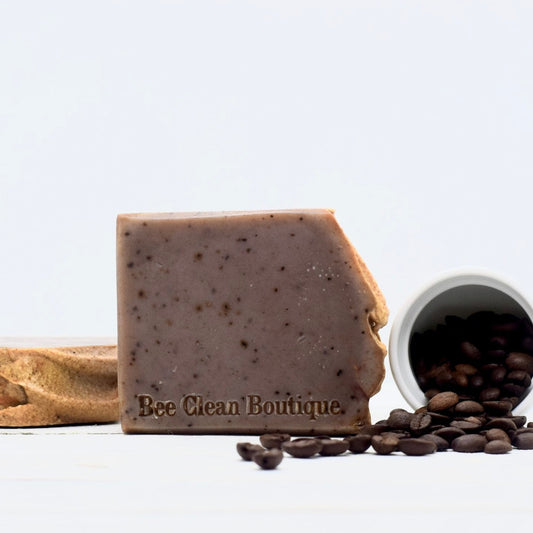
<point x="94" y="478"/>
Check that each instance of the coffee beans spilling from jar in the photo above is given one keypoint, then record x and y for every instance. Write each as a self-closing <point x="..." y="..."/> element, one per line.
<point x="449" y="425"/>
<point x="486" y="357"/>
<point x="473" y="371"/>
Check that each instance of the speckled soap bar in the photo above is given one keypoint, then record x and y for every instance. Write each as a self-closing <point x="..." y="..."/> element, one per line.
<point x="245" y="323"/>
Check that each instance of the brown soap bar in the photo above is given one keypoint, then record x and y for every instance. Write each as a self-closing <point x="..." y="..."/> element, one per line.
<point x="248" y="322"/>
<point x="48" y="382"/>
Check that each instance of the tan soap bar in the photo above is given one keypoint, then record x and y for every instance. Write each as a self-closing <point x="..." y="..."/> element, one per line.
<point x="51" y="381"/>
<point x="245" y="322"/>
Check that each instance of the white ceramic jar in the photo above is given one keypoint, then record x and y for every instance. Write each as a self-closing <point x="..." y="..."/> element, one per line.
<point x="459" y="292"/>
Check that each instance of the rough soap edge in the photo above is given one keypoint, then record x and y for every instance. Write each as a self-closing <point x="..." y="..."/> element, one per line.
<point x="379" y="314"/>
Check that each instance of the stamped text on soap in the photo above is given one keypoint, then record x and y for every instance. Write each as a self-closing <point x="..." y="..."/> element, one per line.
<point x="253" y="404"/>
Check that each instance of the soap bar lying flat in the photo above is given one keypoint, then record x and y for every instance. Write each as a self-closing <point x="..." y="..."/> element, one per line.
<point x="57" y="381"/>
<point x="246" y="322"/>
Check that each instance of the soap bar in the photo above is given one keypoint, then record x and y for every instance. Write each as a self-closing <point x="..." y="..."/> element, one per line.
<point x="51" y="381"/>
<point x="245" y="323"/>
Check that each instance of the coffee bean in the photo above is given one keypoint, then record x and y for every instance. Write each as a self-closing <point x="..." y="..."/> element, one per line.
<point x="514" y="400"/>
<point x="480" y="419"/>
<point x="444" y="378"/>
<point x="466" y="369"/>
<point x="417" y="446"/>
<point x="497" y="447"/>
<point x="274" y="440"/>
<point x="511" y="389"/>
<point x="384" y="445"/>
<point x="498" y="374"/>
<point x="502" y="423"/>
<point x="497" y="434"/>
<point x="373" y="429"/>
<point x="268" y="459"/>
<point x="439" y="418"/>
<point x="460" y="380"/>
<point x="442" y="444"/>
<point x="470" y="351"/>
<point x="302" y="448"/>
<point x="397" y="433"/>
<point x="399" y="419"/>
<point x="498" y="407"/>
<point x="449" y="433"/>
<point x="523" y="441"/>
<point x="359" y="443"/>
<point x="489" y="394"/>
<point x="469" y="443"/>
<point x="519" y="421"/>
<point x="331" y="447"/>
<point x="530" y="424"/>
<point x="247" y="450"/>
<point x="476" y="382"/>
<point x="487" y="368"/>
<point x="520" y="361"/>
<point x="519" y="377"/>
<point x="468" y="407"/>
<point x="420" y="423"/>
<point x="523" y="430"/>
<point x="467" y="427"/>
<point x="443" y="401"/>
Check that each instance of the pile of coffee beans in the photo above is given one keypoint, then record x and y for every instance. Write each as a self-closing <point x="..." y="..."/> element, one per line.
<point x="450" y="422"/>
<point x="485" y="357"/>
<point x="473" y="371"/>
<point x="447" y="422"/>
<point x="269" y="454"/>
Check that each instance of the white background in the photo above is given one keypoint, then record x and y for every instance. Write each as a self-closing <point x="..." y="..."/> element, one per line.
<point x="414" y="120"/>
